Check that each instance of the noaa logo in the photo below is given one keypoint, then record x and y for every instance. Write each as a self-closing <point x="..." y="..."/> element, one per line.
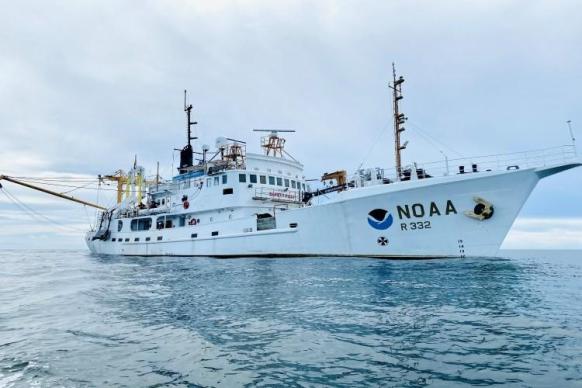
<point x="380" y="219"/>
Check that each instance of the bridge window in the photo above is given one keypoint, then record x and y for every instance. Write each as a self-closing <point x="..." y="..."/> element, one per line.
<point x="164" y="222"/>
<point x="286" y="182"/>
<point x="263" y="180"/>
<point x="224" y="179"/>
<point x="253" y="178"/>
<point x="279" y="181"/>
<point x="216" y="181"/>
<point x="119" y="225"/>
<point x="272" y="180"/>
<point x="242" y="178"/>
<point x="293" y="185"/>
<point x="208" y="182"/>
<point x="141" y="224"/>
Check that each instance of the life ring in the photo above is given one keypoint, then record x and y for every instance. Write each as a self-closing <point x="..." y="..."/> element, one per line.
<point x="186" y="204"/>
<point x="193" y="221"/>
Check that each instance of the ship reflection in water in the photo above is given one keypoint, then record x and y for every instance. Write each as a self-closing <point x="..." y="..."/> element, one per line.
<point x="108" y="321"/>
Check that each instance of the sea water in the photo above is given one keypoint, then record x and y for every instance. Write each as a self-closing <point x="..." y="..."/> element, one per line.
<point x="69" y="319"/>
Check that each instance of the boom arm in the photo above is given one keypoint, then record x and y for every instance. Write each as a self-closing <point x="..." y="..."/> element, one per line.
<point x="9" y="179"/>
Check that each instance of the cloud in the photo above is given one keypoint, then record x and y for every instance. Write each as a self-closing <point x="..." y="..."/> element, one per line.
<point x="545" y="233"/>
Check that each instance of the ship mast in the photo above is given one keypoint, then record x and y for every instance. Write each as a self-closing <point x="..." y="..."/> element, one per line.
<point x="399" y="119"/>
<point x="186" y="153"/>
<point x="189" y="122"/>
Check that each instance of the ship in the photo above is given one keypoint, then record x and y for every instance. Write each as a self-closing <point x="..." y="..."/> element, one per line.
<point x="226" y="202"/>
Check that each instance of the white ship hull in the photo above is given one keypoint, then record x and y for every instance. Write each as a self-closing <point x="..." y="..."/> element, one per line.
<point x="428" y="220"/>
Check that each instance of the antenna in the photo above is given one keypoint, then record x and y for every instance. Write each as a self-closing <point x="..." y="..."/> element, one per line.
<point x="569" y="122"/>
<point x="189" y="122"/>
<point x="158" y="176"/>
<point x="399" y="119"/>
<point x="186" y="153"/>
<point x="274" y="131"/>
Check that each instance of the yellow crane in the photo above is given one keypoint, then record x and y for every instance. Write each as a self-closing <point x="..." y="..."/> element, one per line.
<point x="120" y="177"/>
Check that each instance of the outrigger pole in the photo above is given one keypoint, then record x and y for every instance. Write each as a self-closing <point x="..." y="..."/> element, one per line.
<point x="9" y="179"/>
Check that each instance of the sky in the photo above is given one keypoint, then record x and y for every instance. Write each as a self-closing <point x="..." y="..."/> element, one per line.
<point x="86" y="86"/>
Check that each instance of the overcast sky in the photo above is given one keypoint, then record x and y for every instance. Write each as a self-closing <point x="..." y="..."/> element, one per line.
<point x="86" y="85"/>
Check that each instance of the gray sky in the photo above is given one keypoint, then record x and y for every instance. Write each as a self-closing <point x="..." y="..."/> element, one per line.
<point x="84" y="86"/>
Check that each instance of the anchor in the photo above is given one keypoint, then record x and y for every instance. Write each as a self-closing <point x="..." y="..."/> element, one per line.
<point x="483" y="210"/>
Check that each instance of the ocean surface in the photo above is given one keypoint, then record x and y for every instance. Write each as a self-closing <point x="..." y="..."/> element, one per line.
<point x="69" y="319"/>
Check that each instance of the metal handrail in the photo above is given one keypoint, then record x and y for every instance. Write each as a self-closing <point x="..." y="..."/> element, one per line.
<point x="494" y="162"/>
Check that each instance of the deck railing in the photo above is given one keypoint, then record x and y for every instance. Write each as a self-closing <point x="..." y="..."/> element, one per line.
<point x="497" y="162"/>
<point x="517" y="160"/>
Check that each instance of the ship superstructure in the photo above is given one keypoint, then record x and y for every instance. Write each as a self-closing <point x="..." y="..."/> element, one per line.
<point x="227" y="202"/>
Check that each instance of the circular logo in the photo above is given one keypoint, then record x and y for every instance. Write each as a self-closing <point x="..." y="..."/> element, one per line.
<point x="380" y="219"/>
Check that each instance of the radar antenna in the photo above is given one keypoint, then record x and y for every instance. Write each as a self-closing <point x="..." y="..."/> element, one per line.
<point x="273" y="142"/>
<point x="399" y="119"/>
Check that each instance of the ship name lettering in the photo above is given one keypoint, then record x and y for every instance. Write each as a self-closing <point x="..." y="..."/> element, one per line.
<point x="417" y="210"/>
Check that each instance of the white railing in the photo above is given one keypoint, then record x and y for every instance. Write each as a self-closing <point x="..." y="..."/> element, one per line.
<point x="498" y="162"/>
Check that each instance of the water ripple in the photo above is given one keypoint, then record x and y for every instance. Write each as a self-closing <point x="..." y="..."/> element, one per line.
<point x="69" y="319"/>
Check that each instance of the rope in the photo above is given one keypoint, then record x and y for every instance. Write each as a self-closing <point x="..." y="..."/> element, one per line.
<point x="433" y="140"/>
<point x="374" y="144"/>
<point x="34" y="214"/>
<point x="82" y="187"/>
<point x="32" y="181"/>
